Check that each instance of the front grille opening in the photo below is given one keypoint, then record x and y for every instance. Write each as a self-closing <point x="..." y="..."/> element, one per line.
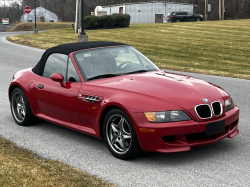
<point x="203" y="111"/>
<point x="217" y="108"/>
<point x="168" y="139"/>
<point x="196" y="136"/>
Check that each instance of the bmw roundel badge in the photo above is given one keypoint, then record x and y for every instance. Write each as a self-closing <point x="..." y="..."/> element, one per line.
<point x="206" y="100"/>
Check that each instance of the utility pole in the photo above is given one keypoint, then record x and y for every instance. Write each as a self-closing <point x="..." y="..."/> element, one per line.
<point x="76" y="21"/>
<point x="82" y="37"/>
<point x="223" y="8"/>
<point x="78" y="17"/>
<point x="219" y="9"/>
<point x="35" y="28"/>
<point x="205" y="10"/>
<point x="83" y="33"/>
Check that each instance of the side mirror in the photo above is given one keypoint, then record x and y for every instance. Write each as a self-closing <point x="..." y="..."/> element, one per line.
<point x="58" y="78"/>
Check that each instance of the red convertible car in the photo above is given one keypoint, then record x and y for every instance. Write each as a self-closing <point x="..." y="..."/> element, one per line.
<point x="112" y="91"/>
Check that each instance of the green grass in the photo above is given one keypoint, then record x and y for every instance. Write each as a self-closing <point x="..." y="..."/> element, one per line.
<point x="214" y="47"/>
<point x="20" y="167"/>
<point x="41" y="26"/>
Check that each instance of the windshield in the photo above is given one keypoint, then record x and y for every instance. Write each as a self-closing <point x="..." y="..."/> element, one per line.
<point x="113" y="61"/>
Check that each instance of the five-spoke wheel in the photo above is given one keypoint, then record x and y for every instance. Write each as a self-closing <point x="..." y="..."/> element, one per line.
<point x="20" y="108"/>
<point x="120" y="135"/>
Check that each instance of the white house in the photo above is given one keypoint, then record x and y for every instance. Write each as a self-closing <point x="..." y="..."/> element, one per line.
<point x="148" y="12"/>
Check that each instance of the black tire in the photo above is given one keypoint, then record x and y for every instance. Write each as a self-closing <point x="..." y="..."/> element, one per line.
<point x="198" y="19"/>
<point x="121" y="129"/>
<point x="178" y="20"/>
<point x="20" y="108"/>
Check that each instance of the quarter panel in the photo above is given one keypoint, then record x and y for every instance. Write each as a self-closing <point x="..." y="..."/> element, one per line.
<point x="26" y="80"/>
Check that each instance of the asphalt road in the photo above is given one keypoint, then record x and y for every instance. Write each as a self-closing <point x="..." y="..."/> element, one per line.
<point x="226" y="163"/>
<point x="4" y="28"/>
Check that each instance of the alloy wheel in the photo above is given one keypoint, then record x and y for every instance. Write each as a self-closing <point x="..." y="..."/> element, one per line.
<point x="18" y="107"/>
<point x="118" y="134"/>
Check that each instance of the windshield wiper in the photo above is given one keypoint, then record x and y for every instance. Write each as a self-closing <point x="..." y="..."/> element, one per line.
<point x="138" y="71"/>
<point x="103" y="76"/>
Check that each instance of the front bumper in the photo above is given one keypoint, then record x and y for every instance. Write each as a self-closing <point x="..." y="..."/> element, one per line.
<point x="181" y="136"/>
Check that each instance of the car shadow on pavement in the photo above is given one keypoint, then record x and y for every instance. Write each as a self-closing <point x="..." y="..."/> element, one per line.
<point x="211" y="152"/>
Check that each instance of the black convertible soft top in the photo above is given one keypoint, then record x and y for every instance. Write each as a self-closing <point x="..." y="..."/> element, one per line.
<point x="69" y="48"/>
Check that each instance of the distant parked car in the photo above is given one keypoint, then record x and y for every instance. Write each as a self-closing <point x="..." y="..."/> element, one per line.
<point x="184" y="16"/>
<point x="6" y="21"/>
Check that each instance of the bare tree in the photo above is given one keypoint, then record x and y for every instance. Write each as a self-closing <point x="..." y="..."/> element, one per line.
<point x="65" y="9"/>
<point x="12" y="11"/>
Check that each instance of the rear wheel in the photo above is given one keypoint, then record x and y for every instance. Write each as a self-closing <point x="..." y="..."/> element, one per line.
<point x="20" y="108"/>
<point x="178" y="20"/>
<point x="120" y="135"/>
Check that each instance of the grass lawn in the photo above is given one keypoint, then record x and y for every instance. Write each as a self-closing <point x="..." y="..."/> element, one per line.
<point x="212" y="47"/>
<point x="20" y="167"/>
<point x="41" y="26"/>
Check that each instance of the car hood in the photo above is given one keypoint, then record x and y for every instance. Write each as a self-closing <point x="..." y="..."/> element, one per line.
<point x="181" y="90"/>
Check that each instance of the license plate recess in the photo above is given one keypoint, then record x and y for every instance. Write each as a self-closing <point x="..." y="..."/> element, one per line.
<point x="215" y="128"/>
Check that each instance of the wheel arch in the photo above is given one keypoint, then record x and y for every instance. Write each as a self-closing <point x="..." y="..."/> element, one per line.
<point x="12" y="87"/>
<point x="16" y="85"/>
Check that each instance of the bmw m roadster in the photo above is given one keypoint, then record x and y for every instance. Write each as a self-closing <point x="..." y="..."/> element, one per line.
<point x="112" y="91"/>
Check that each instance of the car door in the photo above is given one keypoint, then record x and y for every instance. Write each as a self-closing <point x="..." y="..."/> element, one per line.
<point x="184" y="16"/>
<point x="53" y="99"/>
<point x="190" y="16"/>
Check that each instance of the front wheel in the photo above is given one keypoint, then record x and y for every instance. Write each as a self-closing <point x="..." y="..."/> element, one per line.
<point x="198" y="19"/>
<point x="20" y="108"/>
<point x="120" y="135"/>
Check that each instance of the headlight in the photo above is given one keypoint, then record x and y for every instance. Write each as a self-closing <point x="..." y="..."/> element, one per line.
<point x="167" y="116"/>
<point x="229" y="104"/>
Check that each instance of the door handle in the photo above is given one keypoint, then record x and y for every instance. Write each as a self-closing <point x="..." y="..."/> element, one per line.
<point x="40" y="86"/>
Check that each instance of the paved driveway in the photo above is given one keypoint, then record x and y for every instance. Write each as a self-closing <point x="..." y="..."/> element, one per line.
<point x="4" y="28"/>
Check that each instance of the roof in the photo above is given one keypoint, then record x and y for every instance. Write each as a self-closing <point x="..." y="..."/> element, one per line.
<point x="69" y="48"/>
<point x="148" y="2"/>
